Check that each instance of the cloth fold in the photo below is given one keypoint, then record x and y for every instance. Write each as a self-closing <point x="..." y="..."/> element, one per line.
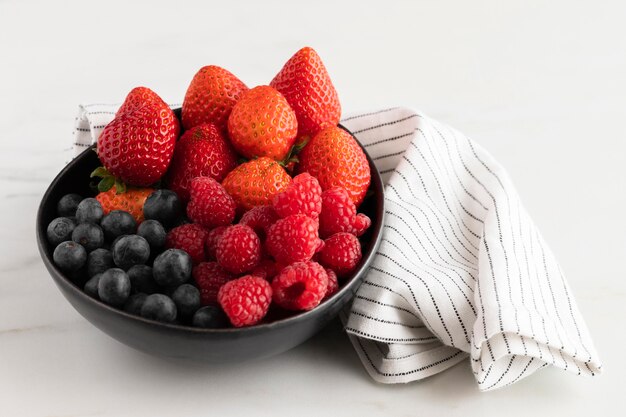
<point x="462" y="271"/>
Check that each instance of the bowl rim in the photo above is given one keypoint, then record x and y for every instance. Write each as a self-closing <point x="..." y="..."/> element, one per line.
<point x="284" y="322"/>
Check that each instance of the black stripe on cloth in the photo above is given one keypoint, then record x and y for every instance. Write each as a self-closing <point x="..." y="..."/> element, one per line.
<point x="508" y="368"/>
<point x="393" y="122"/>
<point x="398" y="196"/>
<point x="445" y="200"/>
<point x="358" y="116"/>
<point x="420" y="369"/>
<point x="101" y="112"/>
<point x="389" y="339"/>
<point x="419" y="259"/>
<point x="430" y="294"/>
<point x="415" y="303"/>
<point x="365" y="316"/>
<point x="80" y="129"/>
<point x="99" y="127"/>
<point x="387" y="155"/>
<point x="86" y="145"/>
<point x="370" y="300"/>
<point x="391" y="139"/>
<point x="426" y="235"/>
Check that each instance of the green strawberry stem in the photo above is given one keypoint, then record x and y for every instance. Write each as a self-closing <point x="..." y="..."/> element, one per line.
<point x="108" y="180"/>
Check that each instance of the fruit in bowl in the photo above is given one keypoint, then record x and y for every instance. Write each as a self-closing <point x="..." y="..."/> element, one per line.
<point x="244" y="226"/>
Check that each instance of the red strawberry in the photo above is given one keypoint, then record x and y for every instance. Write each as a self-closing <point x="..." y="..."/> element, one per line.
<point x="210" y="205"/>
<point x="209" y="277"/>
<point x="190" y="238"/>
<point x="201" y="152"/>
<point x="263" y="124"/>
<point x="309" y="91"/>
<point x="335" y="158"/>
<point x="293" y="239"/>
<point x="210" y="97"/>
<point x="131" y="200"/>
<point x="137" y="145"/>
<point x="256" y="182"/>
<point x="303" y="196"/>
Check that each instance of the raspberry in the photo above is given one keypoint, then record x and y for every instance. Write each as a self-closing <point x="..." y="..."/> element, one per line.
<point x="341" y="253"/>
<point x="338" y="212"/>
<point x="293" y="239"/>
<point x="210" y="277"/>
<point x="266" y="269"/>
<point x="260" y="219"/>
<point x="209" y="204"/>
<point x="302" y="196"/>
<point x="210" y="244"/>
<point x="300" y="286"/>
<point x="190" y="238"/>
<point x="361" y="224"/>
<point x="239" y="249"/>
<point x="245" y="300"/>
<point x="333" y="284"/>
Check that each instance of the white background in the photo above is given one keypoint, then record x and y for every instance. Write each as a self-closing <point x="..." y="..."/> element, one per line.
<point x="542" y="85"/>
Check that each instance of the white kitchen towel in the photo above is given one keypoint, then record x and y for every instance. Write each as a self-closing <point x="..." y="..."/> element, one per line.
<point x="461" y="272"/>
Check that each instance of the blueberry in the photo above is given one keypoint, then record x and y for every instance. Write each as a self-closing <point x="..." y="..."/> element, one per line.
<point x="60" y="229"/>
<point x="66" y="207"/>
<point x="141" y="279"/>
<point x="118" y="223"/>
<point x="164" y="206"/>
<point x="99" y="261"/>
<point x="114" y="287"/>
<point x="172" y="268"/>
<point x="91" y="286"/>
<point x="89" y="211"/>
<point x="130" y="250"/>
<point x="154" y="233"/>
<point x="134" y="303"/>
<point x="70" y="256"/>
<point x="187" y="300"/>
<point x="89" y="235"/>
<point x="210" y="317"/>
<point x="159" y="307"/>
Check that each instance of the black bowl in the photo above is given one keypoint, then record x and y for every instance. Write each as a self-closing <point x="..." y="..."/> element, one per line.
<point x="180" y="341"/>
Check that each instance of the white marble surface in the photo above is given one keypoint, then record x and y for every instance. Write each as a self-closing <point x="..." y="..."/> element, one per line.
<point x="542" y="85"/>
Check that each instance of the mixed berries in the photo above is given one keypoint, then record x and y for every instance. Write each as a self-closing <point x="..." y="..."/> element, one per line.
<point x="250" y="214"/>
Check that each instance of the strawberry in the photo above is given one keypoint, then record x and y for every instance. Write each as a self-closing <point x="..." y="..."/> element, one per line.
<point x="335" y="158"/>
<point x="202" y="151"/>
<point x="263" y="124"/>
<point x="309" y="91"/>
<point x="137" y="145"/>
<point x="256" y="182"/>
<point x="131" y="200"/>
<point x="210" y="97"/>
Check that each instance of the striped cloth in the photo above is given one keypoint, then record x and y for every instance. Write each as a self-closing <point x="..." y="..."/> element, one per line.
<point x="462" y="271"/>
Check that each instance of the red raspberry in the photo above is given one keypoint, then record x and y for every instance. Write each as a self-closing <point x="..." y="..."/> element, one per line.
<point x="260" y="219"/>
<point x="300" y="286"/>
<point x="341" y="253"/>
<point x="266" y="269"/>
<point x="361" y="224"/>
<point x="209" y="277"/>
<point x="210" y="244"/>
<point x="338" y="212"/>
<point x="333" y="284"/>
<point x="239" y="249"/>
<point x="245" y="300"/>
<point x="293" y="239"/>
<point x="209" y="204"/>
<point x="190" y="238"/>
<point x="302" y="196"/>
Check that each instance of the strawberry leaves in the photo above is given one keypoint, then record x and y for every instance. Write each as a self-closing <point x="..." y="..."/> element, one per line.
<point x="108" y="181"/>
